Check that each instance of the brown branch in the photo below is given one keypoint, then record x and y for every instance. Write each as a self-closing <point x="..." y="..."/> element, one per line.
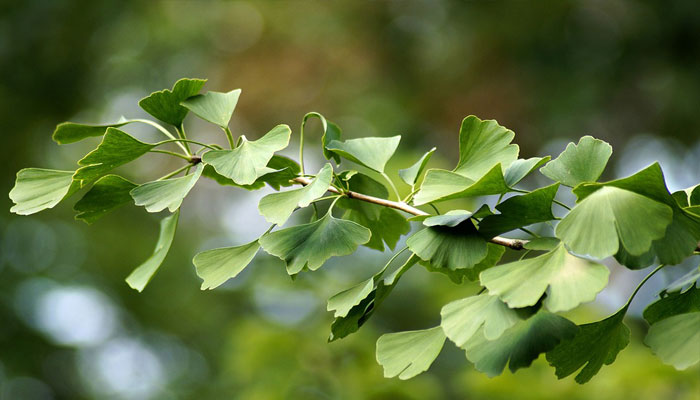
<point x="516" y="244"/>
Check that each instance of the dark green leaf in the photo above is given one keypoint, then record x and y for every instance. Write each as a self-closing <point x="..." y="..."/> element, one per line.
<point x="673" y="304"/>
<point x="494" y="253"/>
<point x="165" y="104"/>
<point x="580" y="163"/>
<point x="140" y="277"/>
<point x="106" y="195"/>
<point x="214" y="107"/>
<point x="520" y="211"/>
<point x="450" y="248"/>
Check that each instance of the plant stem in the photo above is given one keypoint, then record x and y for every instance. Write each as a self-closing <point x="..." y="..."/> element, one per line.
<point x="183" y="135"/>
<point x="393" y="187"/>
<point x="646" y="278"/>
<point x="162" y="130"/>
<point x="229" y="136"/>
<point x="529" y="232"/>
<point x="177" y="171"/>
<point x="209" y="146"/>
<point x="434" y="208"/>
<point x="172" y="153"/>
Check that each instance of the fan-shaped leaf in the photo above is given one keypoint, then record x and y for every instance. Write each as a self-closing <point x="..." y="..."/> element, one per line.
<point x="440" y="185"/>
<point x="310" y="245"/>
<point x="371" y="152"/>
<point x="446" y="247"/>
<point x="521" y="168"/>
<point x="675" y="340"/>
<point x="139" y="278"/>
<point x="37" y="189"/>
<point x="216" y="266"/>
<point x="461" y="319"/>
<point x="167" y="193"/>
<point x="107" y="194"/>
<point x="579" y="163"/>
<point x="165" y="104"/>
<point x="482" y="145"/>
<point x="248" y="162"/>
<point x="71" y="132"/>
<point x="494" y="253"/>
<point x="407" y="354"/>
<point x="568" y="280"/>
<point x="520" y="211"/>
<point x="411" y="174"/>
<point x="214" y="107"/>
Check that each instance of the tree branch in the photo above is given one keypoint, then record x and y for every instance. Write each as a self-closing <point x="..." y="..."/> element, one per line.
<point x="516" y="244"/>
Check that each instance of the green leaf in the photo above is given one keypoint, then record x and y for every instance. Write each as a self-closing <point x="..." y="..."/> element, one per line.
<point x="493" y="256"/>
<point x="284" y="170"/>
<point x="117" y="148"/>
<point x="310" y="245"/>
<point x="673" y="304"/>
<point x="106" y="195"/>
<point x="365" y="306"/>
<point x="568" y="281"/>
<point x="165" y="104"/>
<point x="447" y="247"/>
<point x="694" y="195"/>
<point x="371" y="152"/>
<point x="580" y="163"/>
<point x="407" y="354"/>
<point x="521" y="168"/>
<point x="520" y="345"/>
<point x="37" y="189"/>
<point x="621" y="217"/>
<point x="685" y="282"/>
<point x="596" y="344"/>
<point x="483" y="145"/>
<point x="139" y="278"/>
<point x="542" y="243"/>
<point x="450" y="219"/>
<point x="411" y="174"/>
<point x="248" y="162"/>
<point x="331" y="132"/>
<point x="675" y="340"/>
<point x="520" y="211"/>
<point x="461" y="319"/>
<point x="214" y="107"/>
<point x="440" y="185"/>
<point x="219" y="265"/>
<point x="387" y="225"/>
<point x="341" y="303"/>
<point x="278" y="207"/>
<point x="167" y="193"/>
<point x="71" y="132"/>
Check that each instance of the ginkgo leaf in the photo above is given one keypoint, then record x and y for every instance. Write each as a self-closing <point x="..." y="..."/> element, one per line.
<point x="685" y="282"/>
<point x="521" y="168"/>
<point x="214" y="107"/>
<point x="167" y="193"/>
<point x="578" y="163"/>
<point x="542" y="243"/>
<point x="621" y="217"/>
<point x="278" y="207"/>
<point x="371" y="152"/>
<point x="310" y="245"/>
<point x="139" y="277"/>
<point x="675" y="340"/>
<point x="249" y="160"/>
<point x="117" y="148"/>
<point x="284" y="170"/>
<point x="71" y="132"/>
<point x="107" y="194"/>
<point x="450" y="219"/>
<point x="407" y="354"/>
<point x="331" y="132"/>
<point x="520" y="211"/>
<point x="37" y="189"/>
<point x="568" y="280"/>
<point x="449" y="247"/>
<point x="673" y="303"/>
<point x="461" y="319"/>
<point x="441" y="185"/>
<point x="362" y="303"/>
<point x="483" y="145"/>
<point x="216" y="266"/>
<point x="411" y="174"/>
<point x="494" y="253"/>
<point x="595" y="344"/>
<point x="165" y="104"/>
<point x="520" y="345"/>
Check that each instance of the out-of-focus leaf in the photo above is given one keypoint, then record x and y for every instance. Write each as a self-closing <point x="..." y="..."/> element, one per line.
<point x="673" y="304"/>
<point x="568" y="280"/>
<point x="117" y="148"/>
<point x="278" y="207"/>
<point x="621" y="217"/>
<point x="167" y="193"/>
<point x="139" y="278"/>
<point x="520" y="211"/>
<point x="675" y="340"/>
<point x="214" y="107"/>
<point x="521" y="168"/>
<point x="483" y="145"/>
<point x="578" y="163"/>
<point x="407" y="354"/>
<point x="71" y="132"/>
<point x="165" y="104"/>
<point x="685" y="282"/>
<point x="520" y="345"/>
<point x="216" y="266"/>
<point x="411" y="174"/>
<point x="447" y="247"/>
<point x="371" y="152"/>
<point x="596" y="344"/>
<point x="248" y="162"/>
<point x="461" y="319"/>
<point x="441" y="185"/>
<point x="37" y="189"/>
<point x="310" y="245"/>
<point x="106" y="195"/>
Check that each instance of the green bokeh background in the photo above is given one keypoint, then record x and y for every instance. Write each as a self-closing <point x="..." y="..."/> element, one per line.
<point x="627" y="72"/>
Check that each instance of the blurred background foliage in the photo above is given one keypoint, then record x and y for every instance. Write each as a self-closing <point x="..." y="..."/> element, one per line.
<point x="627" y="72"/>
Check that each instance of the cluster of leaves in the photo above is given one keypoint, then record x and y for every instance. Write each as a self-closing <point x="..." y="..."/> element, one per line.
<point x="509" y="323"/>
